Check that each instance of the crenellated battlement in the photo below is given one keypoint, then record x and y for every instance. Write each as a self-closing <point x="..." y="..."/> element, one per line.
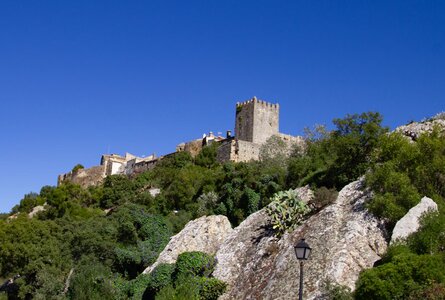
<point x="256" y="120"/>
<point x="258" y="102"/>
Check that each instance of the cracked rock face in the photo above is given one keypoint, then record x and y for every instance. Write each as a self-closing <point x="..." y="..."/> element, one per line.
<point x="204" y="234"/>
<point x="344" y="237"/>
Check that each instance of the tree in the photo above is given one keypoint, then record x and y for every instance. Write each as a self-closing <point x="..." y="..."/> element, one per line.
<point x="77" y="168"/>
<point x="334" y="159"/>
<point x="207" y="156"/>
<point x="275" y="152"/>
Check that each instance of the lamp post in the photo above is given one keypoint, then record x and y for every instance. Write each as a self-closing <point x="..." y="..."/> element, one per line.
<point x="302" y="251"/>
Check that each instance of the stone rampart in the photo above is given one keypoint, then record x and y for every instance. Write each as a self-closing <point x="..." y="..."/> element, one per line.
<point x="256" y="121"/>
<point x="84" y="177"/>
<point x="194" y="147"/>
<point x="143" y="166"/>
<point x="238" y="151"/>
<point x="246" y="151"/>
<point x="226" y="150"/>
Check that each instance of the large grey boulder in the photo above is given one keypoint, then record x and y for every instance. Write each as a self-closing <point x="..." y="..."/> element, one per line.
<point x="204" y="234"/>
<point x="344" y="237"/>
<point x="410" y="222"/>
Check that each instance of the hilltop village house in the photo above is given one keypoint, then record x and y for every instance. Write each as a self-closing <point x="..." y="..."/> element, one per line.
<point x="256" y="121"/>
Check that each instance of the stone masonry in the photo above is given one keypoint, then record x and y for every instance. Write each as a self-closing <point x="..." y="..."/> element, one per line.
<point x="255" y="122"/>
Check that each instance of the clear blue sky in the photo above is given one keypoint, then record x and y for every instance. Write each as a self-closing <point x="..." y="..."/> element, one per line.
<point x="82" y="78"/>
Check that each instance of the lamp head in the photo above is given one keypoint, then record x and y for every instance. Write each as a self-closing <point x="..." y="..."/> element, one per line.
<point x="302" y="250"/>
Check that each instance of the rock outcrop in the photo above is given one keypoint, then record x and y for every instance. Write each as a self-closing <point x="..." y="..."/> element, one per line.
<point x="344" y="237"/>
<point x="410" y="222"/>
<point x="36" y="210"/>
<point x="415" y="129"/>
<point x="305" y="194"/>
<point x="204" y="234"/>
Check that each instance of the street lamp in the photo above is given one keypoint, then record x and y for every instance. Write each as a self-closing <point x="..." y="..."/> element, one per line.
<point x="302" y="251"/>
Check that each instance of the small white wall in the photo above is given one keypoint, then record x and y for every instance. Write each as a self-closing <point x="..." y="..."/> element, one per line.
<point x="115" y="168"/>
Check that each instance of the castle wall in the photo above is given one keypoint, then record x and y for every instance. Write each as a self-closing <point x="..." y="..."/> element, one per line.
<point x="244" y="121"/>
<point x="256" y="120"/>
<point x="193" y="147"/>
<point x="84" y="177"/>
<point x="114" y="164"/>
<point x="137" y="164"/>
<point x="142" y="166"/>
<point x="115" y="168"/>
<point x="293" y="141"/>
<point x="226" y="151"/>
<point x="265" y="121"/>
<point x="238" y="151"/>
<point x="246" y="151"/>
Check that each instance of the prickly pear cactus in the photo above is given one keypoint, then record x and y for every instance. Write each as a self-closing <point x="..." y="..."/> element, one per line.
<point x="286" y="211"/>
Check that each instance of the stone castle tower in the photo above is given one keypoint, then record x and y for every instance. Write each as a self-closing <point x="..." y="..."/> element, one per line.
<point x="256" y="120"/>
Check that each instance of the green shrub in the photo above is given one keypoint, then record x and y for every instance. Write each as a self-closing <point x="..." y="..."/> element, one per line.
<point x="274" y="152"/>
<point x="402" y="171"/>
<point x="398" y="279"/>
<point x="286" y="211"/>
<point x="137" y="287"/>
<point x="395" y="194"/>
<point x="92" y="280"/>
<point x="433" y="291"/>
<point x="194" y="264"/>
<point x="334" y="159"/>
<point x="141" y="237"/>
<point x="186" y="290"/>
<point x="210" y="288"/>
<point x="77" y="168"/>
<point x="177" y="220"/>
<point x="333" y="291"/>
<point x="205" y="204"/>
<point x="128" y="260"/>
<point x="154" y="234"/>
<point x="207" y="157"/>
<point x="160" y="277"/>
<point x="190" y="287"/>
<point x="251" y="200"/>
<point x="430" y="238"/>
<point x="117" y="189"/>
<point x="28" y="202"/>
<point x="323" y="197"/>
<point x="411" y="270"/>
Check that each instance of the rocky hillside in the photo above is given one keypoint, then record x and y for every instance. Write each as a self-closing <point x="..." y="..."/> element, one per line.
<point x="211" y="229"/>
<point x="414" y="129"/>
<point x="344" y="237"/>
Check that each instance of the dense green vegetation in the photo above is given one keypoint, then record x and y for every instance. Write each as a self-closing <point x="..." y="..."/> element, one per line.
<point x="94" y="243"/>
<point x="335" y="158"/>
<point x="99" y="248"/>
<point x="401" y="173"/>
